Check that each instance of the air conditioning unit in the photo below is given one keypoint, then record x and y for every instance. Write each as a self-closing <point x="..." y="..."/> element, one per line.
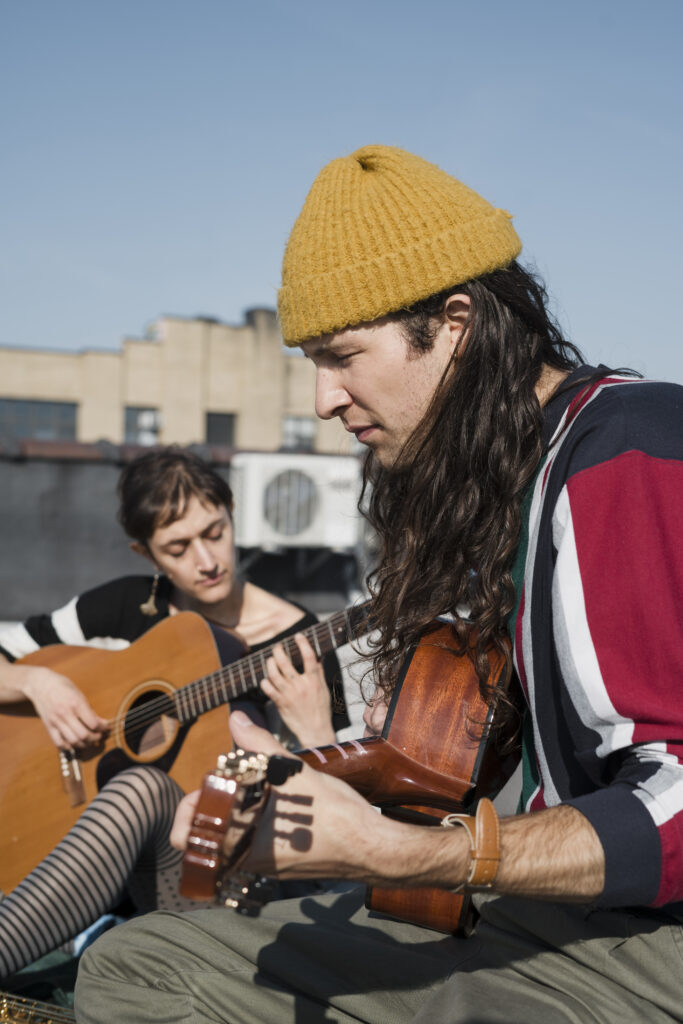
<point x="296" y="501"/>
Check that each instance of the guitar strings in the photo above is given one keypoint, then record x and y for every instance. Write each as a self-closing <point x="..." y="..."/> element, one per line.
<point x="136" y="720"/>
<point x="140" y="717"/>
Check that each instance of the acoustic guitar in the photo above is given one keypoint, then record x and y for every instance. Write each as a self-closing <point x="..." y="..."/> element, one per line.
<point x="165" y="697"/>
<point x="439" y="752"/>
<point x="20" y="1010"/>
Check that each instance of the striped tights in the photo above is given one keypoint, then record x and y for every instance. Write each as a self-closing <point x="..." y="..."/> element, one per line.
<point x="120" y="843"/>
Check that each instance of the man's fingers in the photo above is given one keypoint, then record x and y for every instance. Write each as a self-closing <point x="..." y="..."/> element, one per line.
<point x="251" y="737"/>
<point x="182" y="822"/>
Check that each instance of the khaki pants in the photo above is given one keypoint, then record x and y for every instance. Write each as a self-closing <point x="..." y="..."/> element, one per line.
<point x="325" y="959"/>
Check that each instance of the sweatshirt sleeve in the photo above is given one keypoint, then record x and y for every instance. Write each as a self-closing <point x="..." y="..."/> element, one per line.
<point x="107" y="616"/>
<point x="617" y="600"/>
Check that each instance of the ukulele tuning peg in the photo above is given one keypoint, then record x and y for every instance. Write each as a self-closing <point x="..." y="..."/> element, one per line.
<point x="282" y="768"/>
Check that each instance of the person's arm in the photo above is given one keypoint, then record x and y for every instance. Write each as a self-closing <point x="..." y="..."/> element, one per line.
<point x="301" y="698"/>
<point x="315" y="826"/>
<point x="599" y="643"/>
<point x="64" y="710"/>
<point x="107" y="610"/>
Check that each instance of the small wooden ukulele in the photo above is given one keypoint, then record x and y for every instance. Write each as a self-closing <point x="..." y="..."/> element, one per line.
<point x="232" y="800"/>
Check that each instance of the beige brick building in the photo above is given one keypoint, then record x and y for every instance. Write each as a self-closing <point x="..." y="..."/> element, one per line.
<point x="189" y="381"/>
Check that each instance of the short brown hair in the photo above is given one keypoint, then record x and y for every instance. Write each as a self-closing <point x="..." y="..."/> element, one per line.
<point x="154" y="489"/>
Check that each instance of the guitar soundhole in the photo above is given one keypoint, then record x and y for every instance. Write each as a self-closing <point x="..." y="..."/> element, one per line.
<point x="150" y="722"/>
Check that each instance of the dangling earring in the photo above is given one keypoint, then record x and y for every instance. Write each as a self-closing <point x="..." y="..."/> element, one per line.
<point x="149" y="606"/>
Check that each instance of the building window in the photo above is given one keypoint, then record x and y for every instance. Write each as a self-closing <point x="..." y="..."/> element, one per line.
<point x="41" y="421"/>
<point x="141" y="426"/>
<point x="220" y="428"/>
<point x="298" y="433"/>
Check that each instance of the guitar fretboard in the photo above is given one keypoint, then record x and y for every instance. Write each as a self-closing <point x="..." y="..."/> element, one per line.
<point x="234" y="680"/>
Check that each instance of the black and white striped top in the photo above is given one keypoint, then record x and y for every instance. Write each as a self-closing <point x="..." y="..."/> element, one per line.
<point x="108" y="617"/>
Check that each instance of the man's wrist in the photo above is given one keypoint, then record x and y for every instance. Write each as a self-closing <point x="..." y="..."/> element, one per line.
<point x="483" y="830"/>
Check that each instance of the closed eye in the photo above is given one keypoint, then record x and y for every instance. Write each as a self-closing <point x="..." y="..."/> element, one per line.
<point x="215" y="535"/>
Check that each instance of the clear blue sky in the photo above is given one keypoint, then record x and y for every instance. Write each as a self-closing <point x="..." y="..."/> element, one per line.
<point x="156" y="152"/>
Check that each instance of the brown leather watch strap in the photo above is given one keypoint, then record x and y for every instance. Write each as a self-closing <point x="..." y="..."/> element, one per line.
<point x="484" y="833"/>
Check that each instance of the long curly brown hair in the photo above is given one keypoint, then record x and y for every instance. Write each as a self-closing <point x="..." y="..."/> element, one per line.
<point x="447" y="514"/>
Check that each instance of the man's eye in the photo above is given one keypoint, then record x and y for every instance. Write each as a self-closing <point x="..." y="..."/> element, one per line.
<point x="214" y="536"/>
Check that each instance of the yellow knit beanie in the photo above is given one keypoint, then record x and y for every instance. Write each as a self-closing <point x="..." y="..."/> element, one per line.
<point x="380" y="230"/>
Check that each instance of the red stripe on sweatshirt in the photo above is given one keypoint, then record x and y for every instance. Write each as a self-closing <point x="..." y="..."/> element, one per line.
<point x="628" y="524"/>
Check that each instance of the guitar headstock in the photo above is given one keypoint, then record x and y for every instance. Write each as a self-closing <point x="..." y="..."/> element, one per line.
<point x="230" y="805"/>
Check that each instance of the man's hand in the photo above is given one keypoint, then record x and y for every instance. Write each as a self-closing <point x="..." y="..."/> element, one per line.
<point x="315" y="826"/>
<point x="182" y="823"/>
<point x="302" y="698"/>
<point x="70" y="720"/>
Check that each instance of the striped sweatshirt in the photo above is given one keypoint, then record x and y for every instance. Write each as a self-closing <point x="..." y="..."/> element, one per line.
<point x="598" y="637"/>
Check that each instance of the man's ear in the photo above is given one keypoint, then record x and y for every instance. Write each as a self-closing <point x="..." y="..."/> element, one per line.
<point x="456" y="313"/>
<point x="142" y="549"/>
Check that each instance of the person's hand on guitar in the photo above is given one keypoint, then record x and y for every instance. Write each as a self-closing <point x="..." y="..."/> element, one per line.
<point x="316" y="826"/>
<point x="302" y="698"/>
<point x="70" y="720"/>
<point x="307" y="824"/>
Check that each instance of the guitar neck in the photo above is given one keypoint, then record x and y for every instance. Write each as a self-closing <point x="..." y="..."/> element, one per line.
<point x="240" y="677"/>
<point x="386" y="776"/>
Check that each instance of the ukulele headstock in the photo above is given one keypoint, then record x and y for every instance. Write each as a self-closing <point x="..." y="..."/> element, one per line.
<point x="229" y="808"/>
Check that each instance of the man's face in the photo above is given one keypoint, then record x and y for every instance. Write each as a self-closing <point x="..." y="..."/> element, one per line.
<point x="196" y="552"/>
<point x="376" y="384"/>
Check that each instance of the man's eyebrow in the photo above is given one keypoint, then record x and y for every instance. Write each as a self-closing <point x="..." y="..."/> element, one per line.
<point x="328" y="347"/>
<point x="319" y="348"/>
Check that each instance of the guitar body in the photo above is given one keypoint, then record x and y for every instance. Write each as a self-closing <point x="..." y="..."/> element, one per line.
<point x="43" y="795"/>
<point x="438" y="716"/>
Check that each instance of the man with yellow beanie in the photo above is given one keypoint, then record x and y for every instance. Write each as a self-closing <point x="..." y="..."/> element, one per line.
<point x="533" y="503"/>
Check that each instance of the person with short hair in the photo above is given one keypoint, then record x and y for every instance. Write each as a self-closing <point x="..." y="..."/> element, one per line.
<point x="177" y="511"/>
<point x="534" y="501"/>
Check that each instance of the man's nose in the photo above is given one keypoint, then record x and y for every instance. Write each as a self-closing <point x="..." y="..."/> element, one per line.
<point x="330" y="397"/>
